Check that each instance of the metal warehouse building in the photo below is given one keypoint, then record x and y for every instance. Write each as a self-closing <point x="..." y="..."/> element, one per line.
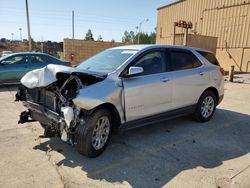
<point x="228" y="20"/>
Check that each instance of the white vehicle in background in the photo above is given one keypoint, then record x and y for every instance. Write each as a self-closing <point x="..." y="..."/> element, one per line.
<point x="126" y="86"/>
<point x="5" y="53"/>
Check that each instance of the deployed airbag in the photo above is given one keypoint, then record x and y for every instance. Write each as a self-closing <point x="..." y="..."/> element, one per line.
<point x="68" y="113"/>
<point x="44" y="76"/>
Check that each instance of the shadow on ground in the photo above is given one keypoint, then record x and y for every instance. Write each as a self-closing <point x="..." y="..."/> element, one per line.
<point x="10" y="88"/>
<point x="151" y="156"/>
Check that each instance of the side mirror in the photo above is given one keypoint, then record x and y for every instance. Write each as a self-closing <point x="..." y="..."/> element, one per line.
<point x="134" y="71"/>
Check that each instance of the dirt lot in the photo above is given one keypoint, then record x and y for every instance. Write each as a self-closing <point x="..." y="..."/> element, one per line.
<point x="176" y="153"/>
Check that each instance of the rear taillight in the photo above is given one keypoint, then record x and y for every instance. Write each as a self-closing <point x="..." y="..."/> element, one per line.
<point x="70" y="65"/>
<point x="222" y="71"/>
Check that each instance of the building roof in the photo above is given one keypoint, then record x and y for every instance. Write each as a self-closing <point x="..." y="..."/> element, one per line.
<point x="171" y="4"/>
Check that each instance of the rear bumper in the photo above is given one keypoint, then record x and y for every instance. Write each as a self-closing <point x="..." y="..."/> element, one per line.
<point x="42" y="114"/>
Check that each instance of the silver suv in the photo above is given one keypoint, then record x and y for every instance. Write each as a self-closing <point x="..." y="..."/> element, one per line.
<point x="119" y="88"/>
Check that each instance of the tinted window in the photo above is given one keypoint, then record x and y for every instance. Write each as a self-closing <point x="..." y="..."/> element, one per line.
<point x="19" y="59"/>
<point x="210" y="57"/>
<point x="152" y="63"/>
<point x="39" y="59"/>
<point x="182" y="60"/>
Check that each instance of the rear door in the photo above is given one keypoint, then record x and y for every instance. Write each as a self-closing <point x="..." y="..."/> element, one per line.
<point x="13" y="68"/>
<point x="150" y="92"/>
<point x="189" y="77"/>
<point x="37" y="61"/>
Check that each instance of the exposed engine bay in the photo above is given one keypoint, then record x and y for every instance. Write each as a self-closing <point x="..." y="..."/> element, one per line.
<point x="53" y="104"/>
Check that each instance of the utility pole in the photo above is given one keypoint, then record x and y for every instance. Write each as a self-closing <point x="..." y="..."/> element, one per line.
<point x="28" y="25"/>
<point x="174" y="33"/>
<point x="21" y="37"/>
<point x="139" y="31"/>
<point x="73" y="25"/>
<point x="42" y="45"/>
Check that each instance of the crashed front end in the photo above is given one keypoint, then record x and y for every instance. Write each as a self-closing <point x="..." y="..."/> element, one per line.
<point x="48" y="94"/>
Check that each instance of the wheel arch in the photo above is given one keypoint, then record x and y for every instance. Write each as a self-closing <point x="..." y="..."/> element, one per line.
<point x="114" y="112"/>
<point x="214" y="90"/>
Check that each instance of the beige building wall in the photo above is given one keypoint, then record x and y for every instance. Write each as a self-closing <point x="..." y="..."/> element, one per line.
<point x="238" y="57"/>
<point x="77" y="51"/>
<point x="198" y="41"/>
<point x="229" y="20"/>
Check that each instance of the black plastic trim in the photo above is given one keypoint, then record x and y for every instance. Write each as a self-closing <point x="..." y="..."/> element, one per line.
<point x="159" y="117"/>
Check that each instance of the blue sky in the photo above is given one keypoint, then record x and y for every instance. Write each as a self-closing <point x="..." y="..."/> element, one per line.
<point x="51" y="19"/>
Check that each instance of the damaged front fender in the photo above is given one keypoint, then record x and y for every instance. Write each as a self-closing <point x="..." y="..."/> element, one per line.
<point x="109" y="91"/>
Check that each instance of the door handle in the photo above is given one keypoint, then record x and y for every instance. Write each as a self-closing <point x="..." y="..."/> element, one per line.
<point x="201" y="73"/>
<point x="165" y="79"/>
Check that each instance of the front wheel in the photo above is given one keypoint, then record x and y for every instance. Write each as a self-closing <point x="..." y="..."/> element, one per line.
<point x="93" y="136"/>
<point x="206" y="106"/>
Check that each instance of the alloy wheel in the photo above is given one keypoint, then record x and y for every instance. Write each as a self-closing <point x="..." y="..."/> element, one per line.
<point x="101" y="132"/>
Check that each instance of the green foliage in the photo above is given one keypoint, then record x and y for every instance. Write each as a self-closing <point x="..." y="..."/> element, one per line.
<point x="89" y="35"/>
<point x="129" y="37"/>
<point x="145" y="38"/>
<point x="100" y="38"/>
<point x="33" y="43"/>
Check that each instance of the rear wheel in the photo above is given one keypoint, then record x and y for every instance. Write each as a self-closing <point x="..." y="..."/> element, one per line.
<point x="93" y="136"/>
<point x="206" y="106"/>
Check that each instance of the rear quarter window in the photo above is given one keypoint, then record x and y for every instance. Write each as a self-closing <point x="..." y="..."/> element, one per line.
<point x="210" y="57"/>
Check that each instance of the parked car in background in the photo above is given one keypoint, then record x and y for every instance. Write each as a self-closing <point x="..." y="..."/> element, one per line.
<point x="14" y="66"/>
<point x="4" y="53"/>
<point x="122" y="87"/>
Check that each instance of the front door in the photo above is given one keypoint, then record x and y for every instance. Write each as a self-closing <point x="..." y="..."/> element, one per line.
<point x="150" y="92"/>
<point x="12" y="69"/>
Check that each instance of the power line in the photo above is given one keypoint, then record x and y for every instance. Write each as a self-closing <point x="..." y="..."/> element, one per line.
<point x="62" y="13"/>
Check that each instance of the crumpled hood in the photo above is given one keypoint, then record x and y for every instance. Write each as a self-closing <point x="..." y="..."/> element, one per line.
<point x="45" y="76"/>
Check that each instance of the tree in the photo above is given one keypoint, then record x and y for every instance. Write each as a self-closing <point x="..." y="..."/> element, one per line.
<point x="153" y="38"/>
<point x="100" y="38"/>
<point x="89" y="35"/>
<point x="113" y="40"/>
<point x="145" y="38"/>
<point x="129" y="37"/>
<point x="33" y="44"/>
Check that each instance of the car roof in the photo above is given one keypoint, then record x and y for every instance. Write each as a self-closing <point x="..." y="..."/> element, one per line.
<point x="152" y="46"/>
<point x="26" y="53"/>
<point x="29" y="53"/>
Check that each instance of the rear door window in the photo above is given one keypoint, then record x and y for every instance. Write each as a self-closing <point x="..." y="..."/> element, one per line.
<point x="183" y="59"/>
<point x="210" y="57"/>
<point x="39" y="59"/>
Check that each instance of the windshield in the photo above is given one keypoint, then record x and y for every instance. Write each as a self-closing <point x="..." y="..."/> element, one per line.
<point x="4" y="57"/>
<point x="106" y="61"/>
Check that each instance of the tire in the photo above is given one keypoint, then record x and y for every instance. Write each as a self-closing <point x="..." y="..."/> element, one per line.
<point x="48" y="132"/>
<point x="91" y="140"/>
<point x="206" y="106"/>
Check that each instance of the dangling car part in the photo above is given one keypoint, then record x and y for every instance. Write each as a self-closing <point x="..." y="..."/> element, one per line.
<point x="119" y="88"/>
